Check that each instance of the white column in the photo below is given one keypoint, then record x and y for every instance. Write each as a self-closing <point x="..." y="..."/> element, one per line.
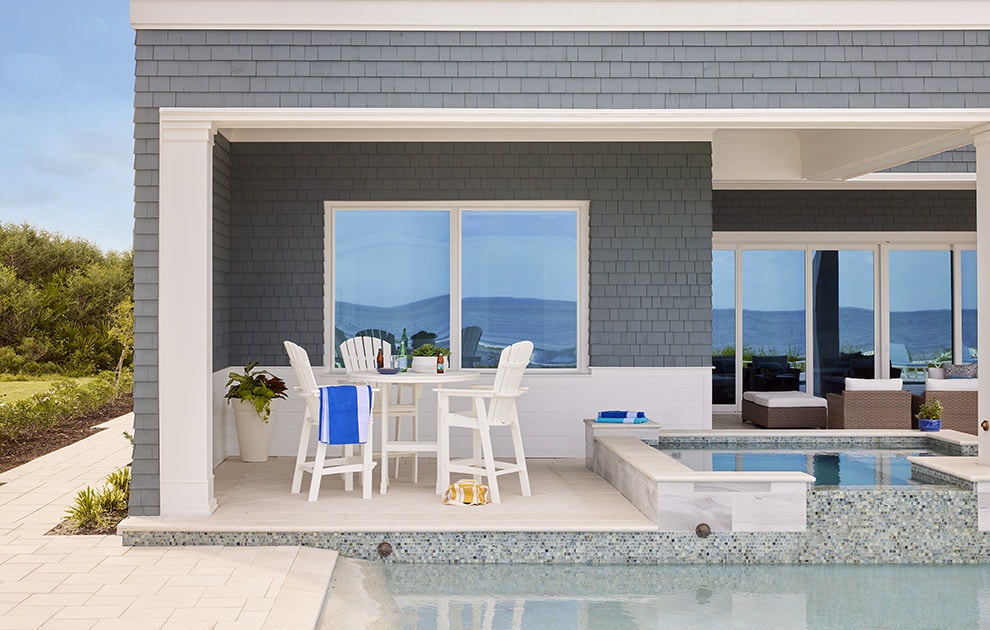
<point x="981" y="138"/>
<point x="185" y="307"/>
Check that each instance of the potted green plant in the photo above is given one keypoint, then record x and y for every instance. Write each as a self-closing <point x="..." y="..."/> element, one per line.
<point x="425" y="357"/>
<point x="251" y="395"/>
<point x="930" y="415"/>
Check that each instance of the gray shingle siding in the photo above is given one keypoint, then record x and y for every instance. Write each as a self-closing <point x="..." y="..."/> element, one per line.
<point x="565" y="70"/>
<point x="603" y="70"/>
<point x="221" y="253"/>
<point x="844" y="210"/>
<point x="957" y="161"/>
<point x="652" y="199"/>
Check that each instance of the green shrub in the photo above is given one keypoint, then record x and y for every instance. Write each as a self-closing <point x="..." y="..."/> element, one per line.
<point x="112" y="500"/>
<point x="87" y="510"/>
<point x="120" y="479"/>
<point x="105" y="508"/>
<point x="10" y="361"/>
<point x="63" y="401"/>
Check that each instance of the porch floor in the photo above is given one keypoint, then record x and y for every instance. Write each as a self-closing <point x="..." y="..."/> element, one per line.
<point x="255" y="497"/>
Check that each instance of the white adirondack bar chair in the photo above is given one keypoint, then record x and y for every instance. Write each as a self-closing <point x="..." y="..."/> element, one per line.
<point x="493" y="406"/>
<point x="320" y="465"/>
<point x="359" y="355"/>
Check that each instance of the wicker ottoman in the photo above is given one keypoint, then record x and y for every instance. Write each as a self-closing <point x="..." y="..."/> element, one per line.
<point x="784" y="410"/>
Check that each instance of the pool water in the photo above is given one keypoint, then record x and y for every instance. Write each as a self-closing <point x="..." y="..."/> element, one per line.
<point x="844" y="469"/>
<point x="687" y="597"/>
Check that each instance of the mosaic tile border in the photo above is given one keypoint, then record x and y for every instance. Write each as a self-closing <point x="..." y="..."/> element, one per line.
<point x="937" y="477"/>
<point x="920" y="525"/>
<point x="817" y="441"/>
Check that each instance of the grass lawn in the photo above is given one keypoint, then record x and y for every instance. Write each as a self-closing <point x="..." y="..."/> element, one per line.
<point x="12" y="391"/>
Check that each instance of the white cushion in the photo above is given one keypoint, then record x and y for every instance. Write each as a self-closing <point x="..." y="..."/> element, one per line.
<point x="952" y="384"/>
<point x="784" y="399"/>
<point x="873" y="384"/>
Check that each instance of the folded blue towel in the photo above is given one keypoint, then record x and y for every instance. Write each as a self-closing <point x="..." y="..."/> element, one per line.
<point x="625" y="417"/>
<point x="621" y="414"/>
<point x="345" y="414"/>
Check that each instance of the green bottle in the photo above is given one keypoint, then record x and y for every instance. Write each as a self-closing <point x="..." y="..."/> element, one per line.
<point x="403" y="357"/>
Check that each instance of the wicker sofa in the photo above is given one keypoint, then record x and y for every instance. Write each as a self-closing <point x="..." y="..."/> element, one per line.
<point x="958" y="397"/>
<point x="870" y="404"/>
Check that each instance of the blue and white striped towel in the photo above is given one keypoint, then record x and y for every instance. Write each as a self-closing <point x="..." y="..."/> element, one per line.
<point x="345" y="414"/>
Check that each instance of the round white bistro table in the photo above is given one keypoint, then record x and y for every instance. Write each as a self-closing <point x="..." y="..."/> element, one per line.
<point x="407" y="378"/>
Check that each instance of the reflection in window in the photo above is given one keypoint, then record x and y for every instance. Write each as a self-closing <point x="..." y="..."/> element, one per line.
<point x="723" y="327"/>
<point x="969" y="338"/>
<point x="843" y="318"/>
<point x="519" y="281"/>
<point x="392" y="272"/>
<point x="920" y="311"/>
<point x="773" y="319"/>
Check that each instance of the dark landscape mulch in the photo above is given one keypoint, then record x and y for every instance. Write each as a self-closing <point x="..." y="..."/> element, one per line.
<point x="66" y="528"/>
<point x="13" y="454"/>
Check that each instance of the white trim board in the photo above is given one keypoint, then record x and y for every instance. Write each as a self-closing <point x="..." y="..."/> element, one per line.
<point x="792" y="147"/>
<point x="560" y="15"/>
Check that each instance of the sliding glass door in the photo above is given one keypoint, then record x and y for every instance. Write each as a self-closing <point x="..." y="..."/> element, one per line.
<point x="843" y="329"/>
<point x="786" y="318"/>
<point x="724" y="327"/>
<point x="773" y="311"/>
<point x="920" y="312"/>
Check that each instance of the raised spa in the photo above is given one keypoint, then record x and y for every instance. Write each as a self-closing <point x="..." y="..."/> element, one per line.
<point x="850" y="468"/>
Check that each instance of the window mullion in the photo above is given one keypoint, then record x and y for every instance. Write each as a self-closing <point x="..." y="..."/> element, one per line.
<point x="455" y="285"/>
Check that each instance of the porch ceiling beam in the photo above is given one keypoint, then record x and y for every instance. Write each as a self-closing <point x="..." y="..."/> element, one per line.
<point x="841" y="154"/>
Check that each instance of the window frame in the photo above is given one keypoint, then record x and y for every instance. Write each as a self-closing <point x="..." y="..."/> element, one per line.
<point x="581" y="208"/>
<point x="881" y="243"/>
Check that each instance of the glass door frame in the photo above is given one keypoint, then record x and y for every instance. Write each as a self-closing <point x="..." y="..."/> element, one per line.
<point x="881" y="243"/>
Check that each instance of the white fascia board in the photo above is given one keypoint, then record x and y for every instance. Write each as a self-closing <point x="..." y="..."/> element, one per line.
<point x="578" y="122"/>
<point x="750" y="147"/>
<point x="563" y="15"/>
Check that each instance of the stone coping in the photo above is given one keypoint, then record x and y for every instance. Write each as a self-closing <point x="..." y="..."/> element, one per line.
<point x="611" y="426"/>
<point x="966" y="468"/>
<point x="661" y="467"/>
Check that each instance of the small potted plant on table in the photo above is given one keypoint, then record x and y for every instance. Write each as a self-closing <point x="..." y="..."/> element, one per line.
<point x="251" y="395"/>
<point x="425" y="358"/>
<point x="930" y="415"/>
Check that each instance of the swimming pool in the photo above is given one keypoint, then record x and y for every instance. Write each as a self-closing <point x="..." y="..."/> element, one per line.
<point x="848" y="468"/>
<point x="622" y="597"/>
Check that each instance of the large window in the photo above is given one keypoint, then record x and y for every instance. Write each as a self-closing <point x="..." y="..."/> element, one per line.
<point x="493" y="274"/>
<point x="839" y="305"/>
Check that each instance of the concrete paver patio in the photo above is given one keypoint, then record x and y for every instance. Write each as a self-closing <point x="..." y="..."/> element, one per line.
<point x="95" y="582"/>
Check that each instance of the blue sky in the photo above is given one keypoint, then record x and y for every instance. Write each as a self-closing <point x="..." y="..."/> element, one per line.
<point x="523" y="255"/>
<point x="66" y="96"/>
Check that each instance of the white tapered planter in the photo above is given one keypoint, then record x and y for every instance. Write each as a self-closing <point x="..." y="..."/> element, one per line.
<point x="424" y="365"/>
<point x="254" y="436"/>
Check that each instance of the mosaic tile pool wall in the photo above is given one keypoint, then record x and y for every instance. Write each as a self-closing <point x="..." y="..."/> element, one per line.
<point x="917" y="525"/>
